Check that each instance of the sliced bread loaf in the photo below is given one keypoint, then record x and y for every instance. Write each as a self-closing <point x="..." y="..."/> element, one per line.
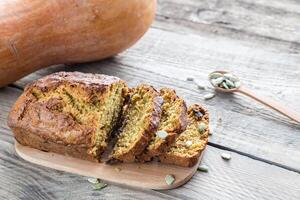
<point x="140" y="120"/>
<point x="187" y="148"/>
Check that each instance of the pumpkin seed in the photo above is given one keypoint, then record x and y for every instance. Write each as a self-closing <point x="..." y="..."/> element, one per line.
<point x="189" y="143"/>
<point x="99" y="186"/>
<point x="161" y="134"/>
<point x="225" y="85"/>
<point x="200" y="86"/>
<point x="201" y="127"/>
<point x="226" y="156"/>
<point x="93" y="180"/>
<point x="169" y="179"/>
<point x="202" y="168"/>
<point x="209" y="96"/>
<point x="229" y="83"/>
<point x="230" y="77"/>
<point x="215" y="75"/>
<point x="219" y="80"/>
<point x="214" y="82"/>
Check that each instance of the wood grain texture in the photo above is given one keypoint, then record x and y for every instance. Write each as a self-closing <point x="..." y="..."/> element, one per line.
<point x="247" y="19"/>
<point x="258" y="40"/>
<point x="164" y="58"/>
<point x="239" y="178"/>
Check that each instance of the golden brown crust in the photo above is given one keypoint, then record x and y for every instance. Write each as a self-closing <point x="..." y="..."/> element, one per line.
<point x="38" y="123"/>
<point x="152" y="120"/>
<point x="27" y="138"/>
<point x="197" y="114"/>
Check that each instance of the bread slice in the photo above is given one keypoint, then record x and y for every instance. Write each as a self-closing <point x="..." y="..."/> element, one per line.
<point x="172" y="122"/>
<point x="140" y="121"/>
<point x="69" y="113"/>
<point x="190" y="143"/>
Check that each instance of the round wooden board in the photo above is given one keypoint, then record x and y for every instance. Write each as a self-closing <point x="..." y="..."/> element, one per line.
<point x="143" y="175"/>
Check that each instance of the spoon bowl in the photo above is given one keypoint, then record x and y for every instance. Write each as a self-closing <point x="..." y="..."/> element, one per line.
<point x="220" y="89"/>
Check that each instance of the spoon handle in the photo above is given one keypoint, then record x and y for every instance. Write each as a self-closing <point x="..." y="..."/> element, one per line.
<point x="271" y="103"/>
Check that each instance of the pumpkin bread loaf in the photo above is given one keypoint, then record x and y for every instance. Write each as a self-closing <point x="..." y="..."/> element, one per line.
<point x="189" y="144"/>
<point x="173" y="121"/>
<point x="69" y="113"/>
<point x="140" y="120"/>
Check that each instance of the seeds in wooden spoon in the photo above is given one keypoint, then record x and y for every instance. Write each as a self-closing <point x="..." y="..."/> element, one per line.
<point x="216" y="75"/>
<point x="225" y="81"/>
<point x="169" y="179"/>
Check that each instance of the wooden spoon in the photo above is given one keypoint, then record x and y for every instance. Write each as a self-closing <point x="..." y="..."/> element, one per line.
<point x="266" y="101"/>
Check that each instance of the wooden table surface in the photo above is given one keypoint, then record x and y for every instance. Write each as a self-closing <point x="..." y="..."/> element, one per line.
<point x="258" y="40"/>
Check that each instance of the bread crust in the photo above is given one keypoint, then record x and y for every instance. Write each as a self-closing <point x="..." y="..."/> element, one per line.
<point x="189" y="161"/>
<point x="39" y="125"/>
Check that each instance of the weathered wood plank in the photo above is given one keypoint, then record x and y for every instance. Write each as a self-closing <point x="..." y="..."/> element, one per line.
<point x="164" y="58"/>
<point x="240" y="178"/>
<point x="277" y="20"/>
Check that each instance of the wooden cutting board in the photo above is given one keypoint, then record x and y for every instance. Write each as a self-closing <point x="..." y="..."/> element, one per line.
<point x="143" y="175"/>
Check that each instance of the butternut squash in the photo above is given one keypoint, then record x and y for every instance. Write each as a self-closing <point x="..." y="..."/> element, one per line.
<point x="38" y="33"/>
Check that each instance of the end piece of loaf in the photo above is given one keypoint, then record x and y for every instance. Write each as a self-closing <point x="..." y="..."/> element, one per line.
<point x="140" y="120"/>
<point x="69" y="113"/>
<point x="172" y="122"/>
<point x="190" y="143"/>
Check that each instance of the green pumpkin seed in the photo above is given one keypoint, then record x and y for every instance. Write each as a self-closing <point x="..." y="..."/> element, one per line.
<point x="209" y="96"/>
<point x="218" y="80"/>
<point x="214" y="83"/>
<point x="226" y="156"/>
<point x="200" y="86"/>
<point x="161" y="134"/>
<point x="93" y="180"/>
<point x="189" y="143"/>
<point x="169" y="179"/>
<point x="99" y="186"/>
<point x="230" y="77"/>
<point x="215" y="75"/>
<point x="201" y="127"/>
<point x="229" y="83"/>
<point x="225" y="85"/>
<point x="202" y="168"/>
